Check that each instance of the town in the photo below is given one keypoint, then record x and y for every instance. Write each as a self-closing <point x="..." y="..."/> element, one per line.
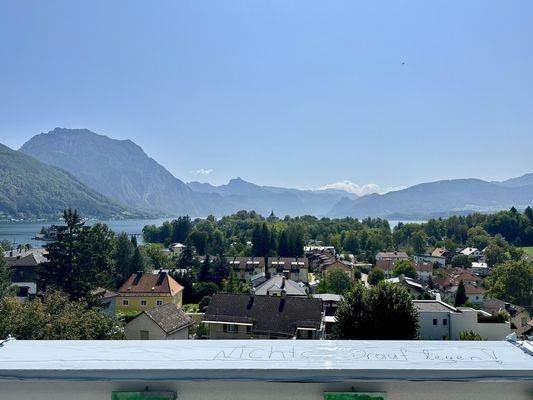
<point x="246" y="276"/>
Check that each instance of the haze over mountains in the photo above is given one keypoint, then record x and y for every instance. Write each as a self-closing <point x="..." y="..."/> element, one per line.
<point x="122" y="172"/>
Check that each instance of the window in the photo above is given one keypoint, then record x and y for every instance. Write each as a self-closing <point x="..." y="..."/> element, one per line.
<point x="435" y="321"/>
<point x="249" y="329"/>
<point x="145" y="335"/>
<point x="230" y="328"/>
<point x="125" y="303"/>
<point x="445" y="337"/>
<point x="524" y="321"/>
<point x="158" y="302"/>
<point x="444" y="322"/>
<point x="23" y="291"/>
<point x="143" y="303"/>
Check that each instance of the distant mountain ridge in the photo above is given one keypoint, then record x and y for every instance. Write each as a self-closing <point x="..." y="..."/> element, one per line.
<point x="119" y="169"/>
<point x="441" y="198"/>
<point x="239" y="194"/>
<point x="523" y="180"/>
<point x="32" y="189"/>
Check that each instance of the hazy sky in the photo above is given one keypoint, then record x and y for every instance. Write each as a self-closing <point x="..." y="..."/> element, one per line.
<point x="287" y="93"/>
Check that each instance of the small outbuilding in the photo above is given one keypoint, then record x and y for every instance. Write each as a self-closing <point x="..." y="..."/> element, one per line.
<point x="165" y="322"/>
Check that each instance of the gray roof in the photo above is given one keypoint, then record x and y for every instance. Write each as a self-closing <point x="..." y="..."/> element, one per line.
<point x="433" y="306"/>
<point x="169" y="317"/>
<point x="275" y="283"/>
<point x="493" y="306"/>
<point x="267" y="314"/>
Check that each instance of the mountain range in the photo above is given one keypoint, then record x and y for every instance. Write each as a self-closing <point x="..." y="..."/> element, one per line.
<point x="119" y="174"/>
<point x="120" y="170"/>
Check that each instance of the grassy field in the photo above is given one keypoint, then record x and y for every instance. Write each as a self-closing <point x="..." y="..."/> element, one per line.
<point x="528" y="250"/>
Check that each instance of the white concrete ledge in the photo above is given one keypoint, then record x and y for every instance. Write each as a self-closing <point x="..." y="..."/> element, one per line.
<point x="264" y="361"/>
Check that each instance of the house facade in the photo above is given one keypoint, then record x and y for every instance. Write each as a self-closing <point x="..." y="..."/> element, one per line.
<point x="294" y="268"/>
<point x="246" y="267"/>
<point x="386" y="266"/>
<point x="441" y="321"/>
<point x="24" y="268"/>
<point x="424" y="270"/>
<point x="392" y="255"/>
<point x="441" y="261"/>
<point x="143" y="291"/>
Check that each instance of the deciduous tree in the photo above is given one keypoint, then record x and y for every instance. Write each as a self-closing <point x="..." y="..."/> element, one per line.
<point x="368" y="314"/>
<point x="512" y="281"/>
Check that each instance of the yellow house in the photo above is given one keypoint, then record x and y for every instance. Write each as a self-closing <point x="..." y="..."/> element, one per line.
<point x="143" y="291"/>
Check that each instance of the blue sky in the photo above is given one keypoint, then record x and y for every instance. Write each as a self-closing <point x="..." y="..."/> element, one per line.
<point x="287" y="93"/>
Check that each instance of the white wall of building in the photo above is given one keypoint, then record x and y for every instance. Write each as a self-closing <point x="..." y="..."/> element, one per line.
<point x="239" y="390"/>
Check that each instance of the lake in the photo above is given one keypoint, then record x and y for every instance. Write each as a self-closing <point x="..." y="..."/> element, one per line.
<point x="23" y="232"/>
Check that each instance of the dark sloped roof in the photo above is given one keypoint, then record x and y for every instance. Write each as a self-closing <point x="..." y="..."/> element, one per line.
<point x="267" y="314"/>
<point x="493" y="306"/>
<point x="169" y="317"/>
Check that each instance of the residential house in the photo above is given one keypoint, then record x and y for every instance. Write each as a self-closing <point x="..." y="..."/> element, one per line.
<point x="241" y="316"/>
<point x="441" y="321"/>
<point x="24" y="269"/>
<point x="439" y="252"/>
<point x="454" y="275"/>
<point x="475" y="294"/>
<point x="164" y="322"/>
<point x="386" y="266"/>
<point x="176" y="248"/>
<point x="448" y="284"/>
<point x="337" y="265"/>
<point x="246" y="267"/>
<point x="441" y="261"/>
<point x="472" y="252"/>
<point x="443" y="252"/>
<point x="143" y="291"/>
<point x="480" y="268"/>
<point x="277" y="284"/>
<point x="424" y="270"/>
<point x="413" y="286"/>
<point x="519" y="316"/>
<point x="392" y="255"/>
<point x="107" y="300"/>
<point x="295" y="268"/>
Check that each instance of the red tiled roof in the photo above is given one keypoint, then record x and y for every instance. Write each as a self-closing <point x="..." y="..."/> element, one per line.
<point x="144" y="284"/>
<point x="439" y="252"/>
<point x="385" y="265"/>
<point x="469" y="289"/>
<point x="424" y="267"/>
